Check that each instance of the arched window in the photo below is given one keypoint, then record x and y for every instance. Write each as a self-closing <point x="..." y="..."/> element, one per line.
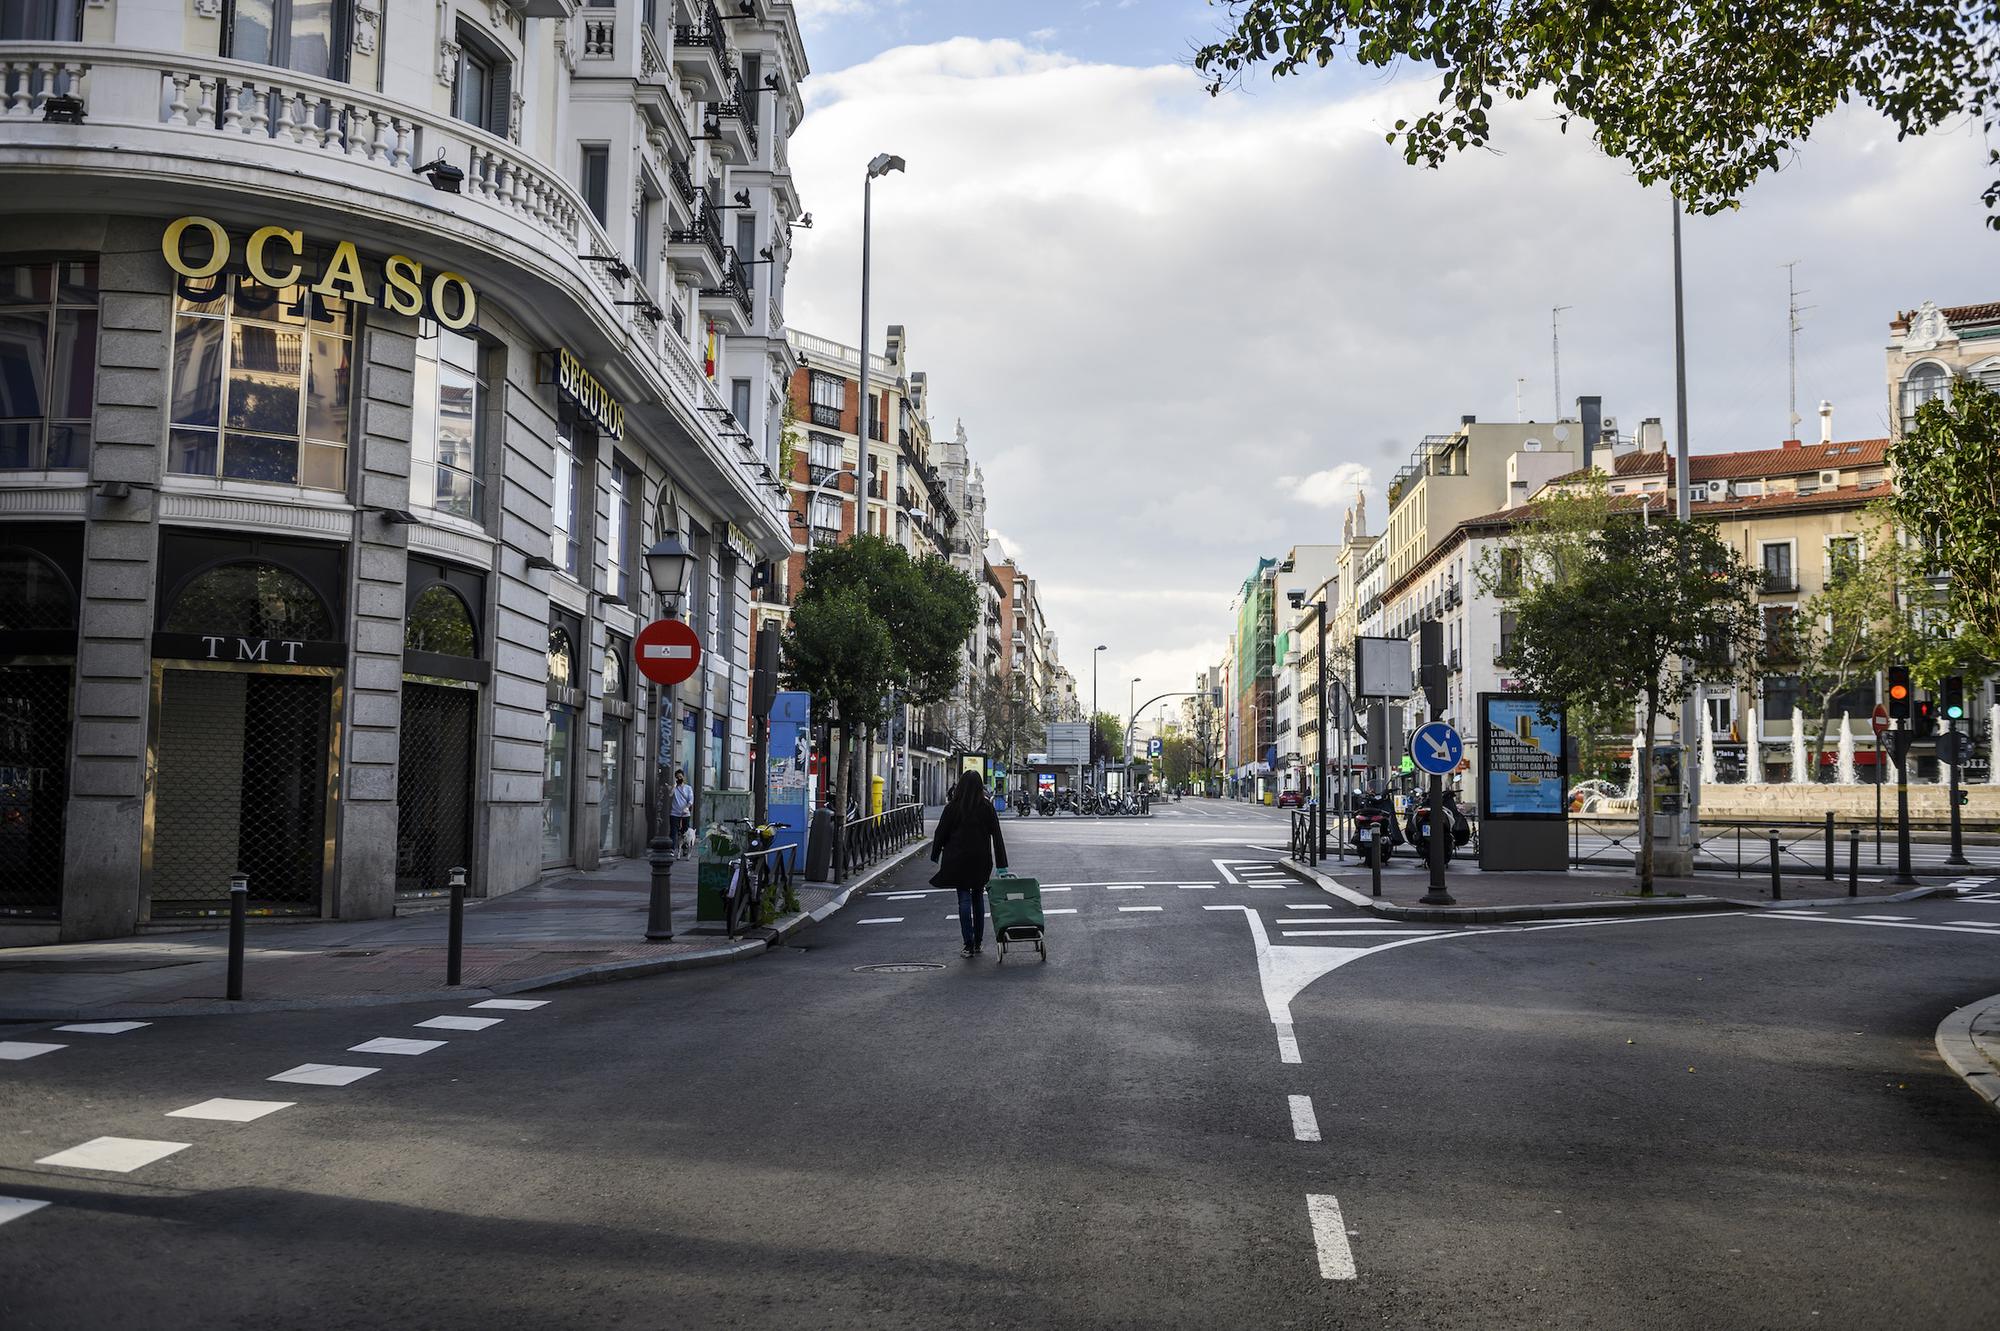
<point x="1920" y="385"/>
<point x="251" y="600"/>
<point x="562" y="659"/>
<point x="33" y="593"/>
<point x="441" y="622"/>
<point x="614" y="667"/>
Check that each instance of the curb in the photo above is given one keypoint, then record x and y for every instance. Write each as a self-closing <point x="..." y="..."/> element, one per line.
<point x="1962" y="1053"/>
<point x="603" y="973"/>
<point x="1507" y="914"/>
<point x="1914" y="894"/>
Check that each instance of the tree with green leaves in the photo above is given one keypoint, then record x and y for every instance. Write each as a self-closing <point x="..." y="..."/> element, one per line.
<point x="1107" y="738"/>
<point x="1705" y="96"/>
<point x="1947" y="497"/>
<point x="1612" y="632"/>
<point x="1844" y="632"/>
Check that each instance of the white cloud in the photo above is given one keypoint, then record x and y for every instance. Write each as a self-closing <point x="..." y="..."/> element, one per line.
<point x="1149" y="305"/>
<point x="1042" y="34"/>
<point x="1335" y="487"/>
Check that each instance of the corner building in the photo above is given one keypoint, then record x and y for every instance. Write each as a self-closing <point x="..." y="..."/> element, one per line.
<point x="351" y="356"/>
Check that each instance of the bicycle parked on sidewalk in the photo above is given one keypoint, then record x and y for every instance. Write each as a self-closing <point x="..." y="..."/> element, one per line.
<point x="760" y="878"/>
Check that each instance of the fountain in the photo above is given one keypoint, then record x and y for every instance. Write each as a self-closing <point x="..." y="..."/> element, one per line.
<point x="1846" y="770"/>
<point x="1800" y="776"/>
<point x="1632" y="780"/>
<point x="1708" y="757"/>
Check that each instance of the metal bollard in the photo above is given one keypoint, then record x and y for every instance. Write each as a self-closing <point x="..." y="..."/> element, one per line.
<point x="1777" y="887"/>
<point x="1374" y="862"/>
<point x="239" y="897"/>
<point x="1853" y="861"/>
<point x="1829" y="845"/>
<point x="660" y="910"/>
<point x="454" y="947"/>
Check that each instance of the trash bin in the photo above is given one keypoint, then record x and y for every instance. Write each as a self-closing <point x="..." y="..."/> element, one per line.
<point x="819" y="846"/>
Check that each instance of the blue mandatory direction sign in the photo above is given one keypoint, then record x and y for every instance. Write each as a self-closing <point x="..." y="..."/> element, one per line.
<point x="1436" y="748"/>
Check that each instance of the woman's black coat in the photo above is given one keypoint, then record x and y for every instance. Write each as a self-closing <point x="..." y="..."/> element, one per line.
<point x="968" y="847"/>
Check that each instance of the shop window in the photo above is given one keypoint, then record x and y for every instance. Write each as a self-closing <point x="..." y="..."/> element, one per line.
<point x="251" y="600"/>
<point x="448" y="426"/>
<point x="262" y="381"/>
<point x="482" y="94"/>
<point x="41" y="20"/>
<point x="440" y="622"/>
<point x="48" y="363"/>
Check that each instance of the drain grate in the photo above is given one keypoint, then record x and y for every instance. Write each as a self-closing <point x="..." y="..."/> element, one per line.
<point x="901" y="967"/>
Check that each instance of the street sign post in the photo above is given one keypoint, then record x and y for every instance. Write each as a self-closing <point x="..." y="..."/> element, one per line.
<point x="1880" y="720"/>
<point x="1436" y="748"/>
<point x="667" y="652"/>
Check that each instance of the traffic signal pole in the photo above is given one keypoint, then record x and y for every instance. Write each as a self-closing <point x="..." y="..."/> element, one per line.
<point x="1957" y="855"/>
<point x="1901" y="743"/>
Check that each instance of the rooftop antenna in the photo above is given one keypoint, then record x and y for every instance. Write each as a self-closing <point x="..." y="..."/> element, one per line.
<point x="1792" y="325"/>
<point x="1519" y="384"/>
<point x="1556" y="351"/>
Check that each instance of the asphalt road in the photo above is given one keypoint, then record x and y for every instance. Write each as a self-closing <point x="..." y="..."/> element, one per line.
<point x="1712" y="1122"/>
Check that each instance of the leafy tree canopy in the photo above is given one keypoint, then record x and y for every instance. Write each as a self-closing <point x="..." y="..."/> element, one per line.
<point x="1705" y="95"/>
<point x="1948" y="498"/>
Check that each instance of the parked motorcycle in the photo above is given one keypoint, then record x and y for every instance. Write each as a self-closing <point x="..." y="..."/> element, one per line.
<point x="1375" y="815"/>
<point x="1418" y="826"/>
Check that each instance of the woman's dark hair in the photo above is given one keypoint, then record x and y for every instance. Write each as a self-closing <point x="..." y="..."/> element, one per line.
<point x="970" y="791"/>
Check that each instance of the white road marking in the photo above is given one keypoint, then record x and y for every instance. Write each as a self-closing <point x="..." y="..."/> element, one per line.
<point x="394" y="1044"/>
<point x="903" y="896"/>
<point x="1316" y="906"/>
<point x="1195" y="887"/>
<point x="514" y="1004"/>
<point x="13" y="1208"/>
<point x="1305" y="1124"/>
<point x="1141" y="908"/>
<point x="1336" y="1258"/>
<point x="461" y="1023"/>
<point x="1055" y="889"/>
<point x="113" y="1155"/>
<point x="1353" y="933"/>
<point x="232" y="1111"/>
<point x="1060" y="910"/>
<point x="16" y="1050"/>
<point x="1125" y="887"/>
<point x="1981" y="932"/>
<point x="887" y="919"/>
<point x="105" y="1027"/>
<point x="1222" y="867"/>
<point x="1886" y="919"/>
<point x="324" y="1074"/>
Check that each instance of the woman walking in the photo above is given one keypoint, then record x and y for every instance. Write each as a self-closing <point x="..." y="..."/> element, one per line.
<point x="967" y="847"/>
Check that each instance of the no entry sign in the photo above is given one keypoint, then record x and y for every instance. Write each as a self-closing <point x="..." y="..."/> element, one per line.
<point x="667" y="651"/>
<point x="1880" y="720"/>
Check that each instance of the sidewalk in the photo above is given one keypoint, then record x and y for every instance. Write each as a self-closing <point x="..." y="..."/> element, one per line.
<point x="1484" y="898"/>
<point x="1969" y="1040"/>
<point x="578" y="929"/>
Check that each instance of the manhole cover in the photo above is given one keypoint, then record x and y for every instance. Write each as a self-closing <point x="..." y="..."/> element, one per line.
<point x="902" y="967"/>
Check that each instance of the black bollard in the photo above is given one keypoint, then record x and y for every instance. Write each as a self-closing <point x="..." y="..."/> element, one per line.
<point x="1853" y="861"/>
<point x="660" y="911"/>
<point x="454" y="947"/>
<point x="1374" y="862"/>
<point x="1829" y="845"/>
<point x="1777" y="887"/>
<point x="239" y="896"/>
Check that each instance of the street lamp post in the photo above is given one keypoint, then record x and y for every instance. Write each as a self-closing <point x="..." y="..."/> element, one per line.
<point x="667" y="565"/>
<point x="882" y="165"/>
<point x="1095" y="775"/>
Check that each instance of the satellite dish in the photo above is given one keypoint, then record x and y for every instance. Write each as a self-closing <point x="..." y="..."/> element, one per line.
<point x="1561" y="433"/>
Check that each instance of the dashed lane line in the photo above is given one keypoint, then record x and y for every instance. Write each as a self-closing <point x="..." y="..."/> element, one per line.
<point x="105" y="1027"/>
<point x="324" y="1074"/>
<point x="1305" y="1124"/>
<point x="513" y="1004"/>
<point x="395" y="1044"/>
<point x="1132" y="909"/>
<point x="1329" y="1229"/>
<point x="885" y="919"/>
<point x="1360" y="933"/>
<point x="113" y="1155"/>
<point x="231" y="1111"/>
<point x="13" y="1208"/>
<point x="460" y="1023"/>
<point x="16" y="1050"/>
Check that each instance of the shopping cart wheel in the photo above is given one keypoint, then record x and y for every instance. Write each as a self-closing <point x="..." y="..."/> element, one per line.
<point x="1039" y="947"/>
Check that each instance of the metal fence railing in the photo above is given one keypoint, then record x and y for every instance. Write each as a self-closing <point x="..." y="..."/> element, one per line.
<point x="865" y="840"/>
<point x="1732" y="846"/>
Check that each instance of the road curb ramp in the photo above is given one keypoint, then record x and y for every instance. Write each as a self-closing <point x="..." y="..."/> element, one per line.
<point x="1969" y="1042"/>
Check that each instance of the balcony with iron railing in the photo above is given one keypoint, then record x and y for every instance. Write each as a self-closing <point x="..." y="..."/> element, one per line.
<point x="825" y="413"/>
<point x="699" y="246"/>
<point x="1779" y="581"/>
<point x="701" y="52"/>
<point x="736" y="115"/>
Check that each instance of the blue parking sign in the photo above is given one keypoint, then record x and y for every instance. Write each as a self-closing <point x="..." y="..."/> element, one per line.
<point x="1436" y="748"/>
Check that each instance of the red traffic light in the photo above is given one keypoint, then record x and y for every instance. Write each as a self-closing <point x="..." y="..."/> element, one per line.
<point x="1899" y="691"/>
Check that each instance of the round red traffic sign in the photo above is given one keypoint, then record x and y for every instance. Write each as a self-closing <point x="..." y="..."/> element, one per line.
<point x="667" y="651"/>
<point x="1880" y="720"/>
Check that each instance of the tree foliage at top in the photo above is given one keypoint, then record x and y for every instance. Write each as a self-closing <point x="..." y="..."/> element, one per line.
<point x="1705" y="95"/>
<point x="869" y="619"/>
<point x="1640" y="598"/>
<point x="1948" y="498"/>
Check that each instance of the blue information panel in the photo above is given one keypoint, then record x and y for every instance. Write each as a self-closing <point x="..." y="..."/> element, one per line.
<point x="1436" y="748"/>
<point x="1523" y="766"/>
<point x="788" y="777"/>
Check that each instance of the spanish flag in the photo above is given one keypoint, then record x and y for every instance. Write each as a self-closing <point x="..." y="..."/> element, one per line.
<point x="708" y="357"/>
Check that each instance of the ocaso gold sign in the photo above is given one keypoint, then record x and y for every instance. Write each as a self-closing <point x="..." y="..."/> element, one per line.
<point x="592" y="398"/>
<point x="272" y="256"/>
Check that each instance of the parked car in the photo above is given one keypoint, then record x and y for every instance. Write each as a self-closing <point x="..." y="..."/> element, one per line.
<point x="1291" y="799"/>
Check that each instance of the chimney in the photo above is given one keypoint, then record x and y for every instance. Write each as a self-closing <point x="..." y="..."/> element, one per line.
<point x="1652" y="435"/>
<point x="1590" y="410"/>
<point x="1825" y="421"/>
<point x="1468" y="420"/>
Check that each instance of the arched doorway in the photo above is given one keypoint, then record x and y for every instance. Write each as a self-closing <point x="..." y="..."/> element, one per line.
<point x="244" y="752"/>
<point x="438" y="740"/>
<point x="37" y="667"/>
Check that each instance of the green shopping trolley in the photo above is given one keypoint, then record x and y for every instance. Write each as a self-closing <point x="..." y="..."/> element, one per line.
<point x="1016" y="904"/>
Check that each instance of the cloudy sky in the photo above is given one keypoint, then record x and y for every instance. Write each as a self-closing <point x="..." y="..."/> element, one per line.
<point x="1180" y="330"/>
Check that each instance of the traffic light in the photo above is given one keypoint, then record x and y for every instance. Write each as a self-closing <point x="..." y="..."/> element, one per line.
<point x="1926" y="719"/>
<point x="1899" y="692"/>
<point x="1954" y="697"/>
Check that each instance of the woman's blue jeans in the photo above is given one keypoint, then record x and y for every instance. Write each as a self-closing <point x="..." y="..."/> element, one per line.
<point x="972" y="915"/>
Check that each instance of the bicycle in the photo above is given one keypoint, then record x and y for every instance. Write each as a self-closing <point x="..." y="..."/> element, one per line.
<point x="750" y="885"/>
